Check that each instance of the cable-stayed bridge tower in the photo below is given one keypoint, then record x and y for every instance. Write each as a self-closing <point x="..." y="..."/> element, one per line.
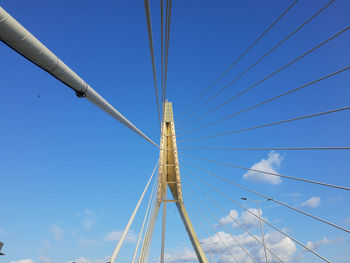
<point x="169" y="178"/>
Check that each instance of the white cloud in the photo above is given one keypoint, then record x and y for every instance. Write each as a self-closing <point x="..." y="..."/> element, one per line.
<point x="56" y="231"/>
<point x="87" y="217"/>
<point x="115" y="236"/>
<point x="247" y="219"/>
<point x="88" y="243"/>
<point x="322" y="242"/>
<point x="270" y="165"/>
<point x="282" y="246"/>
<point x="44" y="259"/>
<point x="87" y="260"/>
<point x="228" y="219"/>
<point x="312" y="202"/>
<point x="27" y="260"/>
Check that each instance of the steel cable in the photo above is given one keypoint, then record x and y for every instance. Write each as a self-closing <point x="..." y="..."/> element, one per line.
<point x="265" y="148"/>
<point x="266" y="222"/>
<point x="266" y="101"/>
<point x="272" y="199"/>
<point x="150" y="40"/>
<point x="216" y="234"/>
<point x="270" y="173"/>
<point x="237" y="222"/>
<point x="236" y="60"/>
<point x="264" y="56"/>
<point x="218" y="220"/>
<point x="267" y="124"/>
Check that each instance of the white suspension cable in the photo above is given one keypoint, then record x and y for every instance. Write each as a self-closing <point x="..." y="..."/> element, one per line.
<point x="273" y="200"/>
<point x="22" y="41"/>
<point x="126" y="230"/>
<point x="143" y="222"/>
<point x="265" y="221"/>
<point x="233" y="219"/>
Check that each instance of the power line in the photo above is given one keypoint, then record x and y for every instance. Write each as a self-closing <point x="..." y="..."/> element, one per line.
<point x="269" y="173"/>
<point x="236" y="60"/>
<point x="272" y="199"/>
<point x="23" y="42"/>
<point x="265" y="55"/>
<point x="268" y="124"/>
<point x="150" y="40"/>
<point x="266" y="222"/>
<point x="266" y="101"/>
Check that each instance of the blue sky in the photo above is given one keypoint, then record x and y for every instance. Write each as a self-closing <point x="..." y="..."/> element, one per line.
<point x="71" y="175"/>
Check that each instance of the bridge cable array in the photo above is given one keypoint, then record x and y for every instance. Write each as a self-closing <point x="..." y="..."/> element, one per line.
<point x="150" y="40"/>
<point x="276" y="201"/>
<point x="218" y="243"/>
<point x="262" y="219"/>
<point x="272" y="74"/>
<point x="264" y="56"/>
<point x="234" y="63"/>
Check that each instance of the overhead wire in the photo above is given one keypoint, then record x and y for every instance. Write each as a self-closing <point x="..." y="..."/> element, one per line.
<point x="150" y="40"/>
<point x="269" y="173"/>
<point x="272" y="199"/>
<point x="265" y="55"/>
<point x="268" y="124"/>
<point x="265" y="221"/>
<point x="266" y="101"/>
<point x="236" y="61"/>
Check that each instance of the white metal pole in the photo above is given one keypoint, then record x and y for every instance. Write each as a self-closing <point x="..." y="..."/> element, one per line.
<point x="261" y="229"/>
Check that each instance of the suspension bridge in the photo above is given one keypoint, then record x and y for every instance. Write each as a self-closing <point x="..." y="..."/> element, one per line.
<point x="179" y="158"/>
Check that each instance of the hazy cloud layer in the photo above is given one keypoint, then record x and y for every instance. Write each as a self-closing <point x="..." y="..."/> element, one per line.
<point x="116" y="234"/>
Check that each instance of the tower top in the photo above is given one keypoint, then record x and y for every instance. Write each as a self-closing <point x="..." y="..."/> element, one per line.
<point x="168" y="112"/>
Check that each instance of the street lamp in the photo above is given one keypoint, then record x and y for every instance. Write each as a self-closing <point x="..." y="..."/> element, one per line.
<point x="261" y="227"/>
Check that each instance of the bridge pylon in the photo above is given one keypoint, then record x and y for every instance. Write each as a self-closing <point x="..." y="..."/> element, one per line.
<point x="169" y="177"/>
